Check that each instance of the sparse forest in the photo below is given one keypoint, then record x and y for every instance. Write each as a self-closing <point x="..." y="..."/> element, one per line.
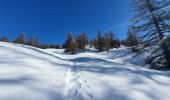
<point x="149" y="29"/>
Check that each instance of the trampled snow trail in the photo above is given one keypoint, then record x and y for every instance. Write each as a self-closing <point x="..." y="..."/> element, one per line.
<point x="73" y="83"/>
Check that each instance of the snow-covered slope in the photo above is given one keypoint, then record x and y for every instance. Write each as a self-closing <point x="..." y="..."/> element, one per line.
<point x="28" y="73"/>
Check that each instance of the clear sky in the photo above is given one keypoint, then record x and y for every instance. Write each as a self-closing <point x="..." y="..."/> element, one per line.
<point x="51" y="20"/>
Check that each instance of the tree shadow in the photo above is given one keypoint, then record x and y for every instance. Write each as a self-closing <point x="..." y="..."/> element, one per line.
<point x="30" y="84"/>
<point x="90" y="60"/>
<point x="15" y="80"/>
<point x="112" y="68"/>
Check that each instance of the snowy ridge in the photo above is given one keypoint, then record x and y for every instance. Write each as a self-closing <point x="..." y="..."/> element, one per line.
<point x="28" y="73"/>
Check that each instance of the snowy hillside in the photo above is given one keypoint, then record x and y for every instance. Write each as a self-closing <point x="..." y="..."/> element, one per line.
<point x="28" y="73"/>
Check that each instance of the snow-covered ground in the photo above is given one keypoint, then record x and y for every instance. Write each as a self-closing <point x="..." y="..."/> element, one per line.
<point x="28" y="73"/>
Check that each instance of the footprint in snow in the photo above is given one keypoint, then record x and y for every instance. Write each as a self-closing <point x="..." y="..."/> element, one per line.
<point x="89" y="95"/>
<point x="79" y="85"/>
<point x="76" y="92"/>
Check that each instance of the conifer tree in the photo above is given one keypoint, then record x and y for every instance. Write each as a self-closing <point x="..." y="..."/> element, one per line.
<point x="105" y="42"/>
<point x="72" y="46"/>
<point x="101" y="41"/>
<point x="20" y="39"/>
<point x="95" y="43"/>
<point x="82" y="41"/>
<point x="33" y="41"/>
<point x="116" y="43"/>
<point x="4" y="39"/>
<point x="151" y="19"/>
<point x="108" y="40"/>
<point x="44" y="46"/>
<point x="68" y="40"/>
<point x="132" y="39"/>
<point x="112" y="37"/>
<point x="91" y="43"/>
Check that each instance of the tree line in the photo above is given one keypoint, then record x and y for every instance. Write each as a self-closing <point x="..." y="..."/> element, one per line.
<point x="33" y="41"/>
<point x="102" y="42"/>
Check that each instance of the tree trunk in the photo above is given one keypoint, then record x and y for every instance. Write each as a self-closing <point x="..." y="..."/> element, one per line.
<point x="160" y="33"/>
<point x="72" y="52"/>
<point x="167" y="54"/>
<point x="156" y="23"/>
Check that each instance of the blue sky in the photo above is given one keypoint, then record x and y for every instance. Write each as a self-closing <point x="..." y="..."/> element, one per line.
<point x="51" y="20"/>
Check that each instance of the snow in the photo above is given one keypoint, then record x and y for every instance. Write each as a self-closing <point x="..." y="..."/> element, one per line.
<point x="28" y="73"/>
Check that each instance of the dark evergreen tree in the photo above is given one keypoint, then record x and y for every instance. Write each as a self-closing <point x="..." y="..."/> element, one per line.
<point x="68" y="40"/>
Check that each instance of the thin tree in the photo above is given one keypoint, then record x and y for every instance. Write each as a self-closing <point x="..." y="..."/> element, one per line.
<point x="95" y="43"/>
<point x="33" y="41"/>
<point x="101" y="41"/>
<point x="132" y="39"/>
<point x="108" y="40"/>
<point x="112" y="38"/>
